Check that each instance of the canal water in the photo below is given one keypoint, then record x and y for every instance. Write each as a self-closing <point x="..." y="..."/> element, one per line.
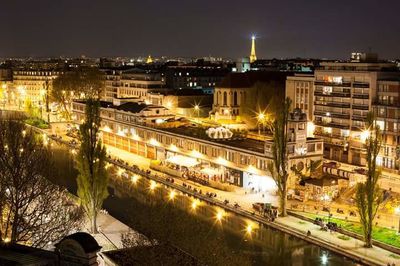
<point x="261" y="246"/>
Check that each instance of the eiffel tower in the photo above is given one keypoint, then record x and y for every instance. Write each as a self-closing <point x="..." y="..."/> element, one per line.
<point x="253" y="56"/>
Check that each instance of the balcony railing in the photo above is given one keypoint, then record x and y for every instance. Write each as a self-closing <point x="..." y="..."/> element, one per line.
<point x="332" y="94"/>
<point x="358" y="117"/>
<point x="360" y="95"/>
<point x="332" y="114"/>
<point x="333" y="104"/>
<point x="360" y="106"/>
<point x="332" y="124"/>
<point x="326" y="83"/>
<point x="360" y="84"/>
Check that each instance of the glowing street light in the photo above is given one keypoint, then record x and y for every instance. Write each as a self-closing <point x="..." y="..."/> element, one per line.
<point x="220" y="215"/>
<point x="195" y="203"/>
<point x="172" y="195"/>
<point x="261" y="120"/>
<point x="134" y="179"/>
<point x="197" y="110"/>
<point x="324" y="259"/>
<point x="120" y="172"/>
<point x="249" y="229"/>
<point x="153" y="185"/>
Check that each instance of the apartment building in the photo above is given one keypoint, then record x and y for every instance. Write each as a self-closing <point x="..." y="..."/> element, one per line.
<point x="340" y="96"/>
<point x="300" y="88"/>
<point x="132" y="83"/>
<point x="237" y="160"/>
<point x="386" y="106"/>
<point x="33" y="85"/>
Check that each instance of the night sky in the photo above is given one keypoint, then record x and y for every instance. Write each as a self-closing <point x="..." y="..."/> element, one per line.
<point x="303" y="28"/>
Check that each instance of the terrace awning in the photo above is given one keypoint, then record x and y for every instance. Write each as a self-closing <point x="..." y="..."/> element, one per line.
<point x="183" y="161"/>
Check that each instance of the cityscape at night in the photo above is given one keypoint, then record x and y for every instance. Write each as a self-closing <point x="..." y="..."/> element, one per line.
<point x="199" y="133"/>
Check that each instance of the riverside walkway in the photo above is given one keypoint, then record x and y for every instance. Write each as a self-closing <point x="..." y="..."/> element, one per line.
<point x="351" y="248"/>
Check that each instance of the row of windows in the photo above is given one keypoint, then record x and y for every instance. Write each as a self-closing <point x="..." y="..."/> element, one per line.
<point x="188" y="145"/>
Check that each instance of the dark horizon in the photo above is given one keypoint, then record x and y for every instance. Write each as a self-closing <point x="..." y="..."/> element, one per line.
<point x="285" y="29"/>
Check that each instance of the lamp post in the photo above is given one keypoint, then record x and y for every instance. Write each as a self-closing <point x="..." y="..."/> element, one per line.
<point x="261" y="120"/>
<point x="197" y="110"/>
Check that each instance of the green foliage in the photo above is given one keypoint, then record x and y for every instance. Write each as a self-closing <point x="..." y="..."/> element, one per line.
<point x="30" y="110"/>
<point x="37" y="122"/>
<point x="382" y="234"/>
<point x="368" y="196"/>
<point x="92" y="179"/>
<point x="279" y="165"/>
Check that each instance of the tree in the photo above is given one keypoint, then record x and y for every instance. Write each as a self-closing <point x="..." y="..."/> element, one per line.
<point x="80" y="83"/>
<point x="64" y="87"/>
<point x="92" y="179"/>
<point x="33" y="210"/>
<point x="279" y="165"/>
<point x="368" y="197"/>
<point x="30" y="110"/>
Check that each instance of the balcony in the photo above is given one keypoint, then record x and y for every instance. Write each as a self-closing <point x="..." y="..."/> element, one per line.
<point x="332" y="94"/>
<point x="360" y="107"/>
<point x="360" y="84"/>
<point x="332" y="114"/>
<point x="360" y="95"/>
<point x="333" y="104"/>
<point x="326" y="83"/>
<point x="332" y="124"/>
<point x="358" y="118"/>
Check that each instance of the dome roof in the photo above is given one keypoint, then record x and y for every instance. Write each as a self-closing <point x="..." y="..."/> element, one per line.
<point x="85" y="240"/>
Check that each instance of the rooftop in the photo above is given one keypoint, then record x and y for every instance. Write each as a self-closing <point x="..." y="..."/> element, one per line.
<point x="152" y="255"/>
<point x="85" y="240"/>
<point x="15" y="254"/>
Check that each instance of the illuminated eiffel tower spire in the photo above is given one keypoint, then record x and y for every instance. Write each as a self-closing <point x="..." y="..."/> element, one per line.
<point x="253" y="56"/>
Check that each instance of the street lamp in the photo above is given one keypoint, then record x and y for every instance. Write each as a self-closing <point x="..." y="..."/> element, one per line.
<point x="197" y="110"/>
<point x="260" y="120"/>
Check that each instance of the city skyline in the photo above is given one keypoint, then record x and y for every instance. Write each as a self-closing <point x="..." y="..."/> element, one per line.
<point x="284" y="30"/>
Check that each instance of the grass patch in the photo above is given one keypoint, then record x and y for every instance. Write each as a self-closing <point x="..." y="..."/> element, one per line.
<point x="37" y="122"/>
<point x="381" y="234"/>
<point x="301" y="222"/>
<point x="343" y="237"/>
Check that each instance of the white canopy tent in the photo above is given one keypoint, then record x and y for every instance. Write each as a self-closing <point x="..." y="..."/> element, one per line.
<point x="183" y="161"/>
